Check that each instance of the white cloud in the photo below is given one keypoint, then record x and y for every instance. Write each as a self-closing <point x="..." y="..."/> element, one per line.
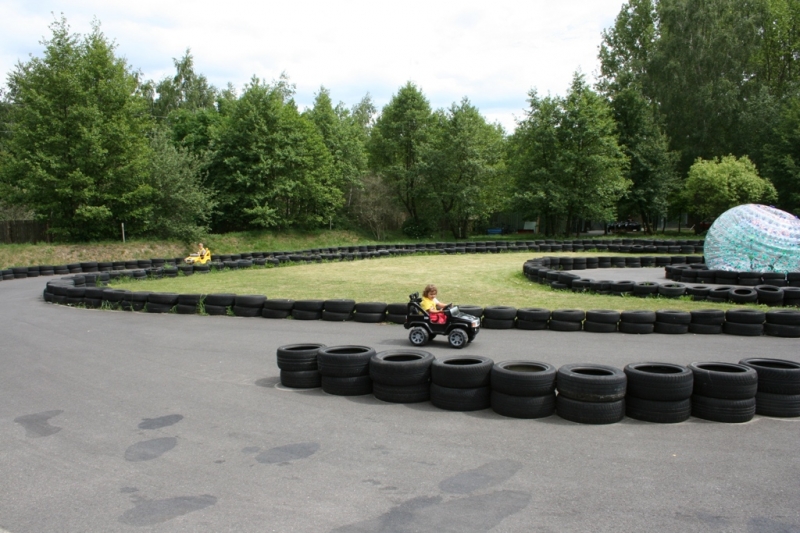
<point x="493" y="53"/>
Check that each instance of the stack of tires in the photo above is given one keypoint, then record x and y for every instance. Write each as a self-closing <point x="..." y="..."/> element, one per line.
<point x="461" y="383"/>
<point x="218" y="304"/>
<point x="783" y="323"/>
<point x="523" y="389"/>
<point x="307" y="309"/>
<point x="396" y="313"/>
<point x="161" y="302"/>
<point x="338" y="310"/>
<point x="370" y="312"/>
<point x="778" y="386"/>
<point x="533" y="318"/>
<point x="248" y="305"/>
<point x="188" y="303"/>
<point x="277" y="308"/>
<point x="499" y="317"/>
<point x="744" y="322"/>
<point x="706" y="321"/>
<point x="591" y="394"/>
<point x="637" y="322"/>
<point x="298" y="365"/>
<point x="345" y="369"/>
<point x="567" y="320"/>
<point x="659" y="392"/>
<point x="672" y="322"/>
<point x="601" y="321"/>
<point x="724" y="392"/>
<point x="401" y="376"/>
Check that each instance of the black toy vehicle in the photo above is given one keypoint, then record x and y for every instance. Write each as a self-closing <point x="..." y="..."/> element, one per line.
<point x="459" y="327"/>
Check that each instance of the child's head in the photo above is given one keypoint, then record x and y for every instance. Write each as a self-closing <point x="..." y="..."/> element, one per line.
<point x="430" y="290"/>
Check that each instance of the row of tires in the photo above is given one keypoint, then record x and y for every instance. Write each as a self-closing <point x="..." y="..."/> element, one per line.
<point x="584" y="393"/>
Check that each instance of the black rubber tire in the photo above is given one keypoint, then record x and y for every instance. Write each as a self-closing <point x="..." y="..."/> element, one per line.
<point x="396" y="309"/>
<point x="660" y="412"/>
<point x="458" y="338"/>
<point x="560" y="325"/>
<point x="635" y="327"/>
<point x="784" y="317"/>
<point x="419" y="336"/>
<point x="778" y="405"/>
<point x="710" y="317"/>
<point x="769" y="294"/>
<point x="219" y="300"/>
<point x="369" y="318"/>
<point x="314" y="306"/>
<point x="344" y="361"/>
<point x="466" y="372"/>
<point x="371" y="307"/>
<point x="591" y="382"/>
<point x="533" y="314"/>
<point x="672" y="290"/>
<point x="745" y="316"/>
<point x="279" y="304"/>
<point x="497" y="323"/>
<point x="275" y="313"/>
<point x="332" y="316"/>
<point x="400" y="368"/>
<point x="669" y="316"/>
<point x="394" y="319"/>
<point x="158" y="308"/>
<point x="590" y="412"/>
<point x="474" y="310"/>
<point x="339" y="306"/>
<point x="403" y="393"/>
<point x="726" y="381"/>
<point x="250" y="300"/>
<point x="603" y="316"/>
<point x="645" y="288"/>
<point x="523" y="378"/>
<point x="499" y="312"/>
<point x="531" y="325"/>
<point x="460" y="399"/>
<point x="246" y="311"/>
<point x="351" y="386"/>
<point x="300" y="314"/>
<point x="301" y="379"/>
<point x="568" y="315"/>
<point x="163" y="298"/>
<point x="663" y="382"/>
<point x="705" y="329"/>
<point x="670" y="329"/>
<point x="298" y="357"/>
<point x="190" y="299"/>
<point x="743" y="296"/>
<point x="781" y="330"/>
<point x="775" y="376"/>
<point x="743" y="330"/>
<point x="728" y="411"/>
<point x="599" y="327"/>
<point x="182" y="309"/>
<point x="526" y="407"/>
<point x="638" y="317"/>
<point x="215" y="310"/>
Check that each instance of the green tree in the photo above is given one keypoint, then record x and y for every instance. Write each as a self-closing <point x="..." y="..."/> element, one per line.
<point x="466" y="167"/>
<point x="186" y="90"/>
<point x="397" y="144"/>
<point x="269" y="164"/>
<point x="714" y="186"/>
<point x="782" y="157"/>
<point x="78" y="150"/>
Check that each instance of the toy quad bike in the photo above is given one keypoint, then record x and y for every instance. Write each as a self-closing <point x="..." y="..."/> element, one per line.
<point x="459" y="327"/>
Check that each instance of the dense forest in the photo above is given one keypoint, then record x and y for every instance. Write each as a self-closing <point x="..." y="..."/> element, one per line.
<point x="696" y="110"/>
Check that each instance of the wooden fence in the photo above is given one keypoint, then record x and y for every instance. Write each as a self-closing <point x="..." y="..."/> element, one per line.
<point x="22" y="231"/>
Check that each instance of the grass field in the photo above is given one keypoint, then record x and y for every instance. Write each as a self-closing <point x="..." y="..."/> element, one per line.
<point x="482" y="279"/>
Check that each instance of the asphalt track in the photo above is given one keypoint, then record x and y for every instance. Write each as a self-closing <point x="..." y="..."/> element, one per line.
<point x="115" y="421"/>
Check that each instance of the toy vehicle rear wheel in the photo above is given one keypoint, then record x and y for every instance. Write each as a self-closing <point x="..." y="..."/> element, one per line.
<point x="458" y="338"/>
<point x="419" y="336"/>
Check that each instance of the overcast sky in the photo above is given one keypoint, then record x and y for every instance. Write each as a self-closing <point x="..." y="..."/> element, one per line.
<point x="494" y="52"/>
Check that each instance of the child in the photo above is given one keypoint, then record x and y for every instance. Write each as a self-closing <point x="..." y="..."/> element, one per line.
<point x="429" y="302"/>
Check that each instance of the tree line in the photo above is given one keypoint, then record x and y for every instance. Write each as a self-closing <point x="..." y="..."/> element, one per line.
<point x="696" y="110"/>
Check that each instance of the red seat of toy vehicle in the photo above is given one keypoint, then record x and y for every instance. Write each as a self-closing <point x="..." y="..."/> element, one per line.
<point x="438" y="318"/>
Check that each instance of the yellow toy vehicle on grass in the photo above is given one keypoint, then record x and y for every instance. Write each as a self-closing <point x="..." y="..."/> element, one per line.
<point x="199" y="258"/>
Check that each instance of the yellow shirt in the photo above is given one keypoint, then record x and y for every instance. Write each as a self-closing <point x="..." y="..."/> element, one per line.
<point x="429" y="304"/>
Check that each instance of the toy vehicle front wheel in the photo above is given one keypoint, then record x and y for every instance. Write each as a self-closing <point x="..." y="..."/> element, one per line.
<point x="419" y="336"/>
<point x="458" y="338"/>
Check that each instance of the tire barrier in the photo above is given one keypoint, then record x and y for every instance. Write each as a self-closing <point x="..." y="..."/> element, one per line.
<point x="590" y="394"/>
<point x="345" y="369"/>
<point x="778" y="392"/>
<point x="461" y="383"/>
<point x="658" y="392"/>
<point x="523" y="389"/>
<point x="724" y="392"/>
<point x="298" y="365"/>
<point x="401" y="376"/>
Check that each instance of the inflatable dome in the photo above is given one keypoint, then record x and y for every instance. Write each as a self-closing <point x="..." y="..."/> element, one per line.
<point x="754" y="238"/>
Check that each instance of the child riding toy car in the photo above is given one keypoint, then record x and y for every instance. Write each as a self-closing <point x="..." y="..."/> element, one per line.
<point x="459" y="327"/>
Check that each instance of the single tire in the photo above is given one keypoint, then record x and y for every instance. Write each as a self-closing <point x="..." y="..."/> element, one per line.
<point x="499" y="312"/>
<point x="669" y="316"/>
<point x="527" y="407"/>
<point x="787" y="317"/>
<point x="460" y="399"/>
<point x="781" y="330"/>
<point x="369" y="318"/>
<point x="164" y="298"/>
<point x="215" y="310"/>
<point x="523" y="378"/>
<point x="300" y="314"/>
<point x="403" y="393"/>
<point x="371" y="307"/>
<point x="705" y="329"/>
<point x="672" y="290"/>
<point x="775" y="376"/>
<point x="349" y="386"/>
<point x="279" y="304"/>
<point x="344" y="361"/>
<point x="219" y="300"/>
<point x="719" y="410"/>
<point x="274" y="313"/>
<point x="635" y="327"/>
<point x="396" y="309"/>
<point x="726" y="381"/>
<point x="591" y="382"/>
<point x="531" y="325"/>
<point x="158" y="308"/>
<point x="560" y="325"/>
<point x="297" y="357"/>
<point x="246" y="311"/>
<point x="497" y="323"/>
<point x="250" y="300"/>
<point x="599" y="327"/>
<point x="660" y="412"/>
<point x="458" y="338"/>
<point x="393" y="318"/>
<point x="339" y="306"/>
<point x="663" y="382"/>
<point x="603" y="316"/>
<point x="638" y="317"/>
<point x="533" y="314"/>
<point x="778" y="405"/>
<point x="302" y="379"/>
<point x="671" y="329"/>
<point x="400" y="368"/>
<point x="462" y="372"/>
<point x="419" y="336"/>
<point x="590" y="412"/>
<point x="743" y="296"/>
<point x="743" y="330"/>
<point x="332" y="316"/>
<point x="568" y="315"/>
<point x="745" y="316"/>
<point x="314" y="306"/>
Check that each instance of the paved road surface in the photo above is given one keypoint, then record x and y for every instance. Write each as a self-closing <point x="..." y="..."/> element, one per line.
<point x="114" y="421"/>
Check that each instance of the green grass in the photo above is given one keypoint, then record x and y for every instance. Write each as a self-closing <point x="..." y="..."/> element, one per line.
<point x="482" y="279"/>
